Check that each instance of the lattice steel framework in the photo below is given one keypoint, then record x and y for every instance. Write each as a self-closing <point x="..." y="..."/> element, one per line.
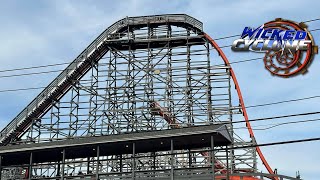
<point x="141" y="74"/>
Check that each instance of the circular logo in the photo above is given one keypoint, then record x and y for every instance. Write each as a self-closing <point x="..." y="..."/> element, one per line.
<point x="284" y="62"/>
<point x="288" y="46"/>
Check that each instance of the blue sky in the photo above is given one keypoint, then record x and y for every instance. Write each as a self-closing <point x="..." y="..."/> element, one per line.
<point x="45" y="32"/>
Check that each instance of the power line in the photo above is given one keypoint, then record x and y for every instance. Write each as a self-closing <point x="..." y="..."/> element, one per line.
<point x="59" y="64"/>
<point x="53" y="71"/>
<point x="21" y="89"/>
<point x="231" y="36"/>
<point x="277" y="117"/>
<point x="289" y="142"/>
<point x="312" y="20"/>
<point x="285" y="101"/>
<point x="50" y="65"/>
<point x="271" y="126"/>
<point x="28" y="74"/>
<point x="246" y="60"/>
<point x="275" y="125"/>
<point x="315" y="29"/>
<point x="35" y="73"/>
<point x="47" y="72"/>
<point x="250" y="106"/>
<point x="41" y="66"/>
<point x="227" y="37"/>
<point x="268" y="126"/>
<point x="273" y="143"/>
<point x="33" y="67"/>
<point x="270" y="118"/>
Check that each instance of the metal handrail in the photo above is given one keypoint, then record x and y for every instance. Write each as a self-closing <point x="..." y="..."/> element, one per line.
<point x="190" y="173"/>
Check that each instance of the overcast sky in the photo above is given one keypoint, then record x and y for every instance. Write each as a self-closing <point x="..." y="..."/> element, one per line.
<point x="46" y="32"/>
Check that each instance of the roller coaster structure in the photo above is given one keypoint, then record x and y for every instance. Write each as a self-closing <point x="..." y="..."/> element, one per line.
<point x="151" y="97"/>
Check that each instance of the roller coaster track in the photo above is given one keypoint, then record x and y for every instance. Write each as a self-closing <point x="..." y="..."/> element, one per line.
<point x="93" y="53"/>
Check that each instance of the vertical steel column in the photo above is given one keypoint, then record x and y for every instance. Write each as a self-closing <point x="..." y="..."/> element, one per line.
<point x="31" y="131"/>
<point x="190" y="158"/>
<point x="55" y="120"/>
<point x="88" y="164"/>
<point x="231" y="124"/>
<point x="73" y="107"/>
<point x="131" y="94"/>
<point x="98" y="161"/>
<point x="169" y="84"/>
<point x="212" y="158"/>
<point x="112" y="94"/>
<point x="63" y="163"/>
<point x="30" y="166"/>
<point x="154" y="164"/>
<point x="154" y="160"/>
<point x="58" y="169"/>
<point x="209" y="88"/>
<point x="93" y="99"/>
<point x="0" y="167"/>
<point x="121" y="164"/>
<point x="227" y="155"/>
<point x="255" y="168"/>
<point x="172" y="160"/>
<point x="149" y="81"/>
<point x="77" y="88"/>
<point x="188" y="95"/>
<point x="133" y="160"/>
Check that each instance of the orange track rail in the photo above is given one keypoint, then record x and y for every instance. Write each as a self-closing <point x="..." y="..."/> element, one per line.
<point x="172" y="122"/>
<point x="226" y="61"/>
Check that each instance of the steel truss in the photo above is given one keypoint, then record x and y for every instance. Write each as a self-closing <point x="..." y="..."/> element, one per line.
<point x="142" y="74"/>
